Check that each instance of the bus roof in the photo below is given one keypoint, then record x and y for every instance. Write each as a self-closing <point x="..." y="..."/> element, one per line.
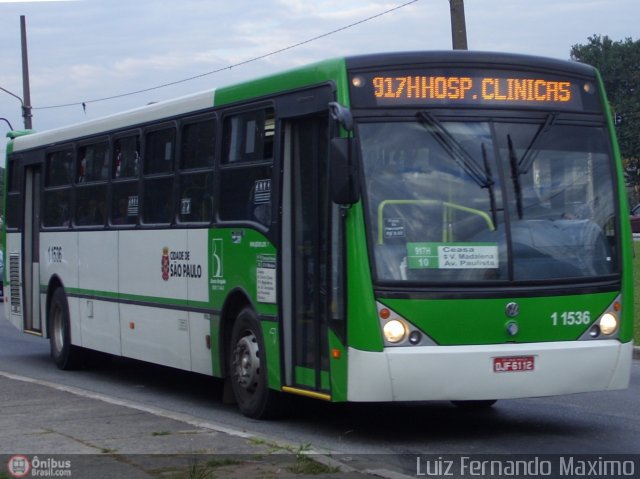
<point x="469" y="58"/>
<point x="145" y="114"/>
<point x="313" y="74"/>
<point x="290" y="79"/>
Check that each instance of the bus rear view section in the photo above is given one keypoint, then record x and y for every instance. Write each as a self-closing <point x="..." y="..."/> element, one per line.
<point x="391" y="227"/>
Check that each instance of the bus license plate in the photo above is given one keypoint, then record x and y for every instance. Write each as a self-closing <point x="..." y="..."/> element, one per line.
<point x="513" y="364"/>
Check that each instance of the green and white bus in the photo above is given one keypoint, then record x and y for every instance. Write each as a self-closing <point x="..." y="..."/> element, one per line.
<point x="389" y="227"/>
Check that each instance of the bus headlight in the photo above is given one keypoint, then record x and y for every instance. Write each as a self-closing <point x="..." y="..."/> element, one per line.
<point x="398" y="331"/>
<point x="608" y="324"/>
<point x="394" y="331"/>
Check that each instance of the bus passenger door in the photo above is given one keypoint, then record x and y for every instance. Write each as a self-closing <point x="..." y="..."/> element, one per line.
<point x="31" y="249"/>
<point x="306" y="255"/>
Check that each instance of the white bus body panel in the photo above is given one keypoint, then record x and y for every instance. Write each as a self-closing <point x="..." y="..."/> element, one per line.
<point x="198" y="291"/>
<point x="466" y="372"/>
<point x="198" y="247"/>
<point x="157" y="335"/>
<point x="59" y="257"/>
<point x="199" y="329"/>
<point x="98" y="273"/>
<point x="170" y="336"/>
<point x="140" y="264"/>
<point x="125" y="268"/>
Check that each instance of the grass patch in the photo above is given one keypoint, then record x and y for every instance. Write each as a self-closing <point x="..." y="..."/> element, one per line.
<point x="306" y="465"/>
<point x="198" y="470"/>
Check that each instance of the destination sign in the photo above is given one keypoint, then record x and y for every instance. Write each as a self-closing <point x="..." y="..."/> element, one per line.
<point x="466" y="87"/>
<point x="461" y="88"/>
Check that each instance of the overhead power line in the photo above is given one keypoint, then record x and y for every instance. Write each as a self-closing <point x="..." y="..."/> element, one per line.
<point x="229" y="67"/>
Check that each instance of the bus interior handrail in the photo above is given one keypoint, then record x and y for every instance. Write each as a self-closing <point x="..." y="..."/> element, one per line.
<point x="447" y="206"/>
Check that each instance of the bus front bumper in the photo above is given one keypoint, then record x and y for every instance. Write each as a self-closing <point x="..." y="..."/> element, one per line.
<point x="474" y="373"/>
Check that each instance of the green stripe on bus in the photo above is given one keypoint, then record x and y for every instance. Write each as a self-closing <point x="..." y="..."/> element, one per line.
<point x="148" y="300"/>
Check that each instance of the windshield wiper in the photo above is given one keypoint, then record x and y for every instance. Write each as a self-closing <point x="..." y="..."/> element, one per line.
<point x="490" y="183"/>
<point x="515" y="176"/>
<point x="521" y="166"/>
<point x="531" y="152"/>
<point x="456" y="151"/>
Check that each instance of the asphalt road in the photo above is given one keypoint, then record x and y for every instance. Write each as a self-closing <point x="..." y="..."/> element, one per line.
<point x="592" y="423"/>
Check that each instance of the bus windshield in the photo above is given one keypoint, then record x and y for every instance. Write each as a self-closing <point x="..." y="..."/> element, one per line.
<point x="494" y="200"/>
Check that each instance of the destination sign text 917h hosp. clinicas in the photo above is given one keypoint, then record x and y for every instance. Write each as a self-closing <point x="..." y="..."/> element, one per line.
<point x="461" y="88"/>
<point x="470" y="88"/>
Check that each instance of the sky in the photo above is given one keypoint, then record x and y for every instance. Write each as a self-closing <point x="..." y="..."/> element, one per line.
<point x="87" y="50"/>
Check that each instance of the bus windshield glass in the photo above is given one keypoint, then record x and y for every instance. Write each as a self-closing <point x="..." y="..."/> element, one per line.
<point x="468" y="201"/>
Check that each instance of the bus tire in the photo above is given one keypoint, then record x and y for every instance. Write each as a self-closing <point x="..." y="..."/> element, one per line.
<point x="477" y="404"/>
<point x="64" y="354"/>
<point x="247" y="368"/>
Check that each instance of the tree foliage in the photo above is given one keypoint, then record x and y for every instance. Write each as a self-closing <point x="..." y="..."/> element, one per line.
<point x="619" y="65"/>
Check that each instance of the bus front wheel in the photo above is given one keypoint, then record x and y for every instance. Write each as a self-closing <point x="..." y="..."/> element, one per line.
<point x="248" y="368"/>
<point x="64" y="354"/>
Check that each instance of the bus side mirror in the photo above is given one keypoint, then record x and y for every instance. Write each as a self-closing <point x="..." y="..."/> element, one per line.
<point x="344" y="174"/>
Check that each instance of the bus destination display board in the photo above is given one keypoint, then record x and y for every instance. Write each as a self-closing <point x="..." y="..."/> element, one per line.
<point x="472" y="88"/>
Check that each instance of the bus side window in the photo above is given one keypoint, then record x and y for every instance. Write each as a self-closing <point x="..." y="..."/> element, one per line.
<point x="124" y="189"/>
<point x="57" y="195"/>
<point x="91" y="204"/>
<point x="59" y="168"/>
<point x="197" y="151"/>
<point x="93" y="163"/>
<point x="92" y="173"/>
<point x="124" y="206"/>
<point x="157" y="187"/>
<point x="126" y="157"/>
<point x="245" y="187"/>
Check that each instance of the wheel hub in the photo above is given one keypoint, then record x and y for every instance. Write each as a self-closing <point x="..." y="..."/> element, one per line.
<point x="247" y="361"/>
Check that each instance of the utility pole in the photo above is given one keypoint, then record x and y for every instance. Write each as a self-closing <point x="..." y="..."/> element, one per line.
<point x="26" y="92"/>
<point x="18" y="98"/>
<point x="458" y="25"/>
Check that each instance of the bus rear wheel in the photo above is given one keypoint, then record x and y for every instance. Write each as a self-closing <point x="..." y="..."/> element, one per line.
<point x="64" y="354"/>
<point x="248" y="368"/>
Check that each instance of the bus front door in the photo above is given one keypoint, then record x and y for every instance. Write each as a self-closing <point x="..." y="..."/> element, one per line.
<point x="306" y="256"/>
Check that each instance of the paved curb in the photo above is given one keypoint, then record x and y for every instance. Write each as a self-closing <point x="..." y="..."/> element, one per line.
<point x="636" y="352"/>
<point x="104" y="437"/>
